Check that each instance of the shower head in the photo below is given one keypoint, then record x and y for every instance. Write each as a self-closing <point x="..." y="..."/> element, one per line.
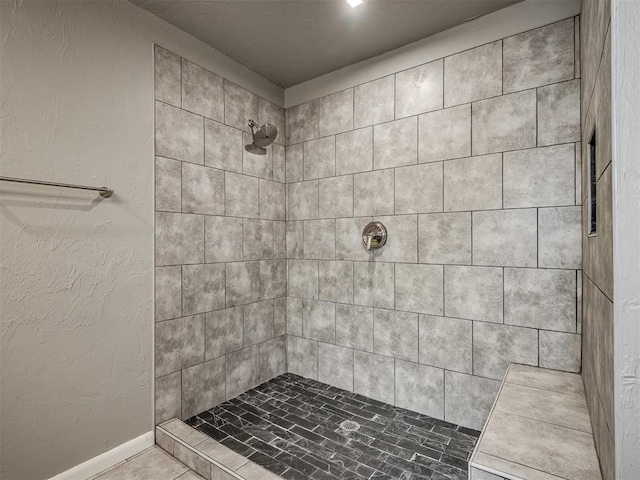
<point x="262" y="137"/>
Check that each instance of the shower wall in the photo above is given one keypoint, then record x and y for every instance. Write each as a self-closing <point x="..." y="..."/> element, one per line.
<point x="472" y="162"/>
<point x="597" y="349"/>
<point x="220" y="271"/>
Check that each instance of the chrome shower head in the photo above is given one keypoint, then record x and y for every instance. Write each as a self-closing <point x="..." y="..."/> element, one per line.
<point x="262" y="137"/>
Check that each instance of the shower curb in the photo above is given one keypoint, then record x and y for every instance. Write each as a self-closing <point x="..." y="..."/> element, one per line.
<point x="186" y="443"/>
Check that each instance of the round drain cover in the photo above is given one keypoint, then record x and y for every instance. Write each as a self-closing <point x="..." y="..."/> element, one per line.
<point x="349" y="426"/>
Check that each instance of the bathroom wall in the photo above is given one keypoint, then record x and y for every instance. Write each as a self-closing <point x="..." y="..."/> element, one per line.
<point x="597" y="348"/>
<point x="473" y="164"/>
<point x="220" y="241"/>
<point x="76" y="284"/>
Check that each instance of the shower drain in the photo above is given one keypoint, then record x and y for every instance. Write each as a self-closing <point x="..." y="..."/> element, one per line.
<point x="349" y="426"/>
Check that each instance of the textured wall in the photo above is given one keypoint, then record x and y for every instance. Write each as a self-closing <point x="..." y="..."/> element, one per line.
<point x="470" y="162"/>
<point x="221" y="280"/>
<point x="597" y="348"/>
<point x="76" y="282"/>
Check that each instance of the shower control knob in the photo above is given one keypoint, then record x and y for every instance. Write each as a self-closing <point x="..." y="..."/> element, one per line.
<point x="374" y="235"/>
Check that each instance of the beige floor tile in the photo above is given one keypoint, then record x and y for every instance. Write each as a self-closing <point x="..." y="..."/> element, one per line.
<point x="153" y="464"/>
<point x="566" y="410"/>
<point x="184" y="432"/>
<point x="549" y="448"/>
<point x="252" y="471"/>
<point x="222" y="454"/>
<point x="546" y="379"/>
<point x="500" y="465"/>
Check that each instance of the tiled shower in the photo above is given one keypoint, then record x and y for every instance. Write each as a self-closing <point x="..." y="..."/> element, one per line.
<point x="472" y="163"/>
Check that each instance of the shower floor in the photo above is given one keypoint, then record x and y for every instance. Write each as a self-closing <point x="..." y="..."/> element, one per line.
<point x="292" y="426"/>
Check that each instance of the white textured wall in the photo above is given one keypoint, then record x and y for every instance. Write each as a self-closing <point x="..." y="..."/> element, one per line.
<point x="76" y="285"/>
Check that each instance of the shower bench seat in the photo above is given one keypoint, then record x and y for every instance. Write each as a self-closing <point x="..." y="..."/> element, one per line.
<point x="538" y="429"/>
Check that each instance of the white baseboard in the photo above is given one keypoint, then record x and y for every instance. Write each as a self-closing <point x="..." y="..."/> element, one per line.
<point x="107" y="459"/>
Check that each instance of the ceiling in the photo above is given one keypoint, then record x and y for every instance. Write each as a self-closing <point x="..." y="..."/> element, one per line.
<point x="289" y="42"/>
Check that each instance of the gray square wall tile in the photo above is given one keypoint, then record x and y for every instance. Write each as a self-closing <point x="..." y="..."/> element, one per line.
<point x="295" y="240"/>
<point x="318" y="320"/>
<point x="223" y="332"/>
<point x="303" y="278"/>
<point x="302" y="200"/>
<point x="473" y="74"/>
<point x="373" y="193"/>
<point x="319" y="158"/>
<point x="446" y="343"/>
<point x="302" y="357"/>
<point x="179" y="344"/>
<point x="395" y="143"/>
<point x="373" y="376"/>
<point x="445" y="238"/>
<point x="202" y="190"/>
<point x="395" y="334"/>
<point x="374" y="102"/>
<point x="273" y="114"/>
<point x="354" y="151"/>
<point x="279" y="163"/>
<point x="179" y="238"/>
<point x="280" y="316"/>
<point x="473" y="183"/>
<point x="539" y="177"/>
<point x="419" y="89"/>
<point x="420" y="388"/>
<point x="469" y="399"/>
<point x="559" y="237"/>
<point x="294" y="163"/>
<point x="242" y="370"/>
<point x="168" y="185"/>
<point x="203" y="288"/>
<point x="168" y="292"/>
<point x="354" y="327"/>
<point x="202" y="91"/>
<point x="419" y="288"/>
<point x="223" y="239"/>
<point x="495" y="346"/>
<point x="445" y="134"/>
<point x="336" y="197"/>
<point x="373" y="284"/>
<point x="273" y="358"/>
<point x="336" y="281"/>
<point x="418" y="189"/>
<point x="273" y="278"/>
<point x="320" y="239"/>
<point x="179" y="134"/>
<point x="505" y="237"/>
<point x="294" y="316"/>
<point x="258" y="322"/>
<point x="222" y="146"/>
<point x="402" y="239"/>
<point x="241" y="195"/>
<point x="257" y="239"/>
<point x="272" y="200"/>
<point x="539" y="57"/>
<point x="540" y="298"/>
<point x="504" y="123"/>
<point x="240" y="105"/>
<point x="336" y="113"/>
<point x="302" y="122"/>
<point x="203" y="387"/>
<point x="167" y="76"/>
<point x="280" y="239"/>
<point x="349" y="244"/>
<point x="559" y="113"/>
<point x="335" y="366"/>
<point x="168" y="401"/>
<point x="242" y="280"/>
<point x="560" y="351"/>
<point x="474" y="293"/>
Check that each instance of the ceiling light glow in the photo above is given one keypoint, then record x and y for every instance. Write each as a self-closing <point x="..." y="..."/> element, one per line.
<point x="355" y="3"/>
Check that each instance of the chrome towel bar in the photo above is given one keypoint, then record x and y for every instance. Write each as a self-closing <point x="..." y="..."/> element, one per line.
<point x="104" y="191"/>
